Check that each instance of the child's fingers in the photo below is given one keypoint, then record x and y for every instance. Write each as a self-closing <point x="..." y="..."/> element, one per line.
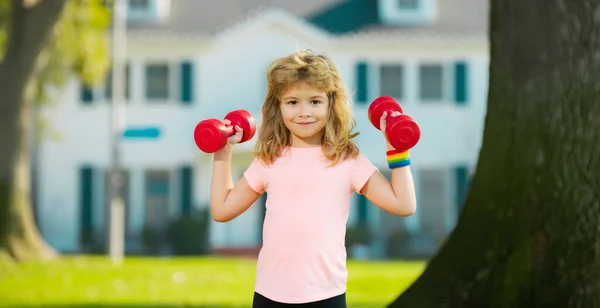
<point x="382" y="121"/>
<point x="237" y="137"/>
<point x="239" y="132"/>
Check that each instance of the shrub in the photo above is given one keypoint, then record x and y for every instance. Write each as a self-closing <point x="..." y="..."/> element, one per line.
<point x="188" y="234"/>
<point x="358" y="234"/>
<point x="396" y="243"/>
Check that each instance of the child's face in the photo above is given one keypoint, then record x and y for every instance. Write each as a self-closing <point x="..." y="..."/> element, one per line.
<point x="304" y="110"/>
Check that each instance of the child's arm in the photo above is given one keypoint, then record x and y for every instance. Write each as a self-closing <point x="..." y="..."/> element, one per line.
<point x="226" y="200"/>
<point x="397" y="197"/>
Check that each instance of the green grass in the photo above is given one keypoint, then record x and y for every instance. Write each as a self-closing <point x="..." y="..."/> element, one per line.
<point x="175" y="282"/>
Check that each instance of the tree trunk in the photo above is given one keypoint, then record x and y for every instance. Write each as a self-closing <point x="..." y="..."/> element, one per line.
<point x="529" y="234"/>
<point x="29" y="31"/>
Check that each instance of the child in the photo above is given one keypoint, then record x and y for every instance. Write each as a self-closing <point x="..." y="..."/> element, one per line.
<point x="309" y="165"/>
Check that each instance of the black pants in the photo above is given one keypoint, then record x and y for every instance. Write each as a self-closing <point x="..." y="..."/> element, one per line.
<point x="333" y="302"/>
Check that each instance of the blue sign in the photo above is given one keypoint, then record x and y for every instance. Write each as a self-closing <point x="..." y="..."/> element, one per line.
<point x="142" y="133"/>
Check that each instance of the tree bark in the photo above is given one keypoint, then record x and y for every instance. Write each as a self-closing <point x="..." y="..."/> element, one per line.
<point x="29" y="31"/>
<point x="529" y="233"/>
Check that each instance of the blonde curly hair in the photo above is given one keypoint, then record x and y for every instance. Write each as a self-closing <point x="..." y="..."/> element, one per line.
<point x="321" y="73"/>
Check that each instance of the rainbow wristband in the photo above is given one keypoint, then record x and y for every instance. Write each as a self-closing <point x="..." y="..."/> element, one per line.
<point x="397" y="159"/>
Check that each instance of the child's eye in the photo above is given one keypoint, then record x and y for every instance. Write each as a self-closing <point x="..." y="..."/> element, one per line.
<point x="292" y="102"/>
<point x="315" y="102"/>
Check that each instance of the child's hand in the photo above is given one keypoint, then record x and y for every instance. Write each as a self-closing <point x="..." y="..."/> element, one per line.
<point x="235" y="138"/>
<point x="382" y="126"/>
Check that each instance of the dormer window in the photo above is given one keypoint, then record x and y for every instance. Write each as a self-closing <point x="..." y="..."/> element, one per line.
<point x="408" y="4"/>
<point x="139" y="5"/>
<point x="407" y="12"/>
<point x="149" y="11"/>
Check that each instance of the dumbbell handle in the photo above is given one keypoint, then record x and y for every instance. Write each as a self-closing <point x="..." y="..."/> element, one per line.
<point x="389" y="113"/>
<point x="229" y="130"/>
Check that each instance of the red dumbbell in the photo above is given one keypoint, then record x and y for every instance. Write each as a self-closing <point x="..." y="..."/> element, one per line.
<point x="402" y="131"/>
<point x="211" y="135"/>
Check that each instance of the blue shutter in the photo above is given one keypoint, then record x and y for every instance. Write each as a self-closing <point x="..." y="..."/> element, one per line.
<point x="262" y="205"/>
<point x="187" y="82"/>
<point x="108" y="83"/>
<point x="128" y="82"/>
<point x="187" y="178"/>
<point x="461" y="83"/>
<point x="362" y="210"/>
<point x="462" y="186"/>
<point x="108" y="86"/>
<point x="362" y="84"/>
<point x="86" y="189"/>
<point x="86" y="94"/>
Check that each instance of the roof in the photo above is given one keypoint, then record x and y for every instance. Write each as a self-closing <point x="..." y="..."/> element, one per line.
<point x="456" y="17"/>
<point x="208" y="17"/>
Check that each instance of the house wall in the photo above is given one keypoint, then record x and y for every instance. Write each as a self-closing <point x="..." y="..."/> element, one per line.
<point x="229" y="73"/>
<point x="80" y="137"/>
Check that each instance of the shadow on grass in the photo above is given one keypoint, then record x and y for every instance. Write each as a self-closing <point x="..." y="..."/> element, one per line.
<point x="108" y="305"/>
<point x="140" y="305"/>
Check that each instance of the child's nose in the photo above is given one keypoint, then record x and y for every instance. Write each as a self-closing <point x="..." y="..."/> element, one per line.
<point x="304" y="111"/>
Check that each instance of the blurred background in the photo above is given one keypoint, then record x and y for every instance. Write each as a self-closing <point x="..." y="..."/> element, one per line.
<point x="189" y="60"/>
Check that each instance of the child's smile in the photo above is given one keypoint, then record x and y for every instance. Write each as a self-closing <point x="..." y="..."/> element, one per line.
<point x="304" y="110"/>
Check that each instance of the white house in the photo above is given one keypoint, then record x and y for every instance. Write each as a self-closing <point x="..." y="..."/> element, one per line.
<point x="190" y="60"/>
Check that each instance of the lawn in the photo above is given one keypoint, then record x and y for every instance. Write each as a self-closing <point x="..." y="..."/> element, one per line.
<point x="178" y="282"/>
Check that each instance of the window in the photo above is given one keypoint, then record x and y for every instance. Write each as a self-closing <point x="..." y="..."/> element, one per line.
<point x="392" y="81"/>
<point x="431" y="83"/>
<point x="433" y="185"/>
<point x="408" y="4"/>
<point x="388" y="223"/>
<point x="138" y="4"/>
<point x="362" y="82"/>
<point x="149" y="11"/>
<point x="157" y="81"/>
<point x="157" y="194"/>
<point x="407" y="12"/>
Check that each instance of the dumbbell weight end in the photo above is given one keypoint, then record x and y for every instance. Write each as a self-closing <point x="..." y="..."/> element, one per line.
<point x="379" y="106"/>
<point x="211" y="135"/>
<point x="403" y="132"/>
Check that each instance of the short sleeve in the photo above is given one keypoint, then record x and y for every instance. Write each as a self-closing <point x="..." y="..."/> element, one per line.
<point x="255" y="176"/>
<point x="362" y="170"/>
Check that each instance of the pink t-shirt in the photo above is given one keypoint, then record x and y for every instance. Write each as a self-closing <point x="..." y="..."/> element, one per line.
<point x="303" y="257"/>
